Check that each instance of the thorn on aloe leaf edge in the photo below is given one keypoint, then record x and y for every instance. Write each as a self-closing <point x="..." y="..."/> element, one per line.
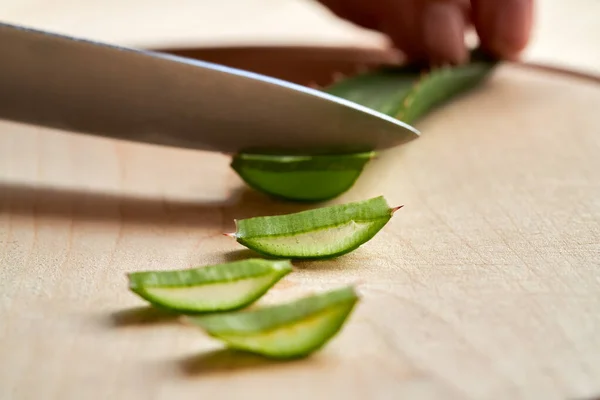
<point x="396" y="209"/>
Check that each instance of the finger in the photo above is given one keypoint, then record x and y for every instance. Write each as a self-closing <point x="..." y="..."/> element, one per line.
<point x="444" y="32"/>
<point x="401" y="21"/>
<point x="356" y="11"/>
<point x="424" y="30"/>
<point x="504" y="26"/>
<point x="398" y="19"/>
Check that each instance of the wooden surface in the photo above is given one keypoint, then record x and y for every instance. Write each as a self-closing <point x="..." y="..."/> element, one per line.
<point x="486" y="285"/>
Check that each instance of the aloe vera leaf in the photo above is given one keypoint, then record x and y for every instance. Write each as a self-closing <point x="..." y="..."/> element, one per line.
<point x="383" y="90"/>
<point x="218" y="287"/>
<point x="300" y="178"/>
<point x="290" y="330"/>
<point x="409" y="93"/>
<point x="439" y="86"/>
<point x="324" y="232"/>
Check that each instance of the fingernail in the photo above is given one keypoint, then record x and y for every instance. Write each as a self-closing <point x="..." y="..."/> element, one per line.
<point x="443" y="35"/>
<point x="512" y="24"/>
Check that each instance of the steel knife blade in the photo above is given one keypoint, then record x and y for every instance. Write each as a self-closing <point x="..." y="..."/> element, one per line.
<point x="95" y="88"/>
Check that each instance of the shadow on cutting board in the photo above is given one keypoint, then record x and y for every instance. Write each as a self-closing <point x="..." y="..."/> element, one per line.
<point x="224" y="360"/>
<point x="51" y="202"/>
<point x="335" y="264"/>
<point x="141" y="316"/>
<point x="96" y="206"/>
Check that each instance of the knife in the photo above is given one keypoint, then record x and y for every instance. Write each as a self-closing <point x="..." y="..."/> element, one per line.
<point x="94" y="88"/>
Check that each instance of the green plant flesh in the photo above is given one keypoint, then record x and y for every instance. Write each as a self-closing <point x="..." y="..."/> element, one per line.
<point x="383" y="90"/>
<point x="407" y="93"/>
<point x="218" y="287"/>
<point x="320" y="233"/>
<point x="440" y="86"/>
<point x="289" y="330"/>
<point x="302" y="178"/>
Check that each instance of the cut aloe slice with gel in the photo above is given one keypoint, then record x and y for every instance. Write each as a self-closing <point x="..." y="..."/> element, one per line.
<point x="301" y="178"/>
<point x="219" y="287"/>
<point x="291" y="330"/>
<point x="320" y="233"/>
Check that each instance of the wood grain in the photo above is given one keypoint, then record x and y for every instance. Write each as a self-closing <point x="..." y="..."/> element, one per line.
<point x="486" y="285"/>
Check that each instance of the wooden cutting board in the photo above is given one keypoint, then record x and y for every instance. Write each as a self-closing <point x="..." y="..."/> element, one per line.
<point x="486" y="285"/>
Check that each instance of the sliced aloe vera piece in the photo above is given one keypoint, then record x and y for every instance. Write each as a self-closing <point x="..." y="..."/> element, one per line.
<point x="291" y="330"/>
<point x="300" y="178"/>
<point x="320" y="233"/>
<point x="219" y="287"/>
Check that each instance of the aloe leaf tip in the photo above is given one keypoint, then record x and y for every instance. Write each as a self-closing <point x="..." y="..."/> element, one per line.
<point x="396" y="208"/>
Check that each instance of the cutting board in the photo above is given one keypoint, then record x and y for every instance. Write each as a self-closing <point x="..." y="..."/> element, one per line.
<point x="486" y="285"/>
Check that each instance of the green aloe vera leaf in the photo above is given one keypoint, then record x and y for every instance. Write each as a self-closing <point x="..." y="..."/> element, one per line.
<point x="300" y="178"/>
<point x="211" y="288"/>
<point x="324" y="232"/>
<point x="383" y="90"/>
<point x="409" y="93"/>
<point x="439" y="86"/>
<point x="290" y="330"/>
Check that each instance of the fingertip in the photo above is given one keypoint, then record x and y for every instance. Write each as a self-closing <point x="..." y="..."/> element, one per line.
<point x="444" y="33"/>
<point x="400" y="21"/>
<point x="504" y="27"/>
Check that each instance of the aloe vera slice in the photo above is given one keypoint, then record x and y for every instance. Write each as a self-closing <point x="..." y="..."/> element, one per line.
<point x="301" y="178"/>
<point x="218" y="287"/>
<point x="320" y="233"/>
<point x="290" y="330"/>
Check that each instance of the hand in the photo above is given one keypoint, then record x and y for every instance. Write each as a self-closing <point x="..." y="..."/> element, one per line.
<point x="433" y="30"/>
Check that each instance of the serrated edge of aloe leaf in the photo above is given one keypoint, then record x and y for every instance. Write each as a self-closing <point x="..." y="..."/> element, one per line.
<point x="279" y="269"/>
<point x="479" y="71"/>
<point x="348" y="297"/>
<point x="422" y="77"/>
<point x="410" y="74"/>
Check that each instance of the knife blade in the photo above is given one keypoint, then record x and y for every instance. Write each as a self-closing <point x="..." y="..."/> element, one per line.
<point x="95" y="88"/>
